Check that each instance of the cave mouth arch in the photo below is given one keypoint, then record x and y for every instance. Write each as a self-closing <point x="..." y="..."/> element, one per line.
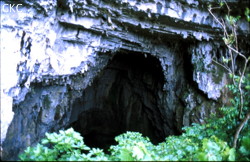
<point x="126" y="96"/>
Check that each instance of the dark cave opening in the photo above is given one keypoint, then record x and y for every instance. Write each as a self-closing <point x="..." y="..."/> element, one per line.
<point x="126" y="96"/>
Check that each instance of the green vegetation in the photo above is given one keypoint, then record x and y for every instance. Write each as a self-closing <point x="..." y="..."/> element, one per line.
<point x="240" y="86"/>
<point x="196" y="144"/>
<point x="224" y="137"/>
<point x="212" y="141"/>
<point x="67" y="145"/>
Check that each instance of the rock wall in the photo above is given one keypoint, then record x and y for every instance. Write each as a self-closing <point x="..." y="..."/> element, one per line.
<point x="53" y="51"/>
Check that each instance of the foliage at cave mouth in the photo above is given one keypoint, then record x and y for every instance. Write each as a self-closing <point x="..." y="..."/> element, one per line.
<point x="126" y="96"/>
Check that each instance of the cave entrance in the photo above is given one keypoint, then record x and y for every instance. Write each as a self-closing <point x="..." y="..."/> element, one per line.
<point x="125" y="96"/>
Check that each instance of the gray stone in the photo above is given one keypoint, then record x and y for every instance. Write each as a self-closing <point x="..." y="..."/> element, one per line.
<point x="62" y="65"/>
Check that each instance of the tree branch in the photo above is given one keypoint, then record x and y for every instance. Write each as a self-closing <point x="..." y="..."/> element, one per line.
<point x="228" y="69"/>
<point x="236" y="136"/>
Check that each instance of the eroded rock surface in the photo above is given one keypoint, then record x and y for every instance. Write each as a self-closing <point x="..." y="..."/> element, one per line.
<point x="57" y="69"/>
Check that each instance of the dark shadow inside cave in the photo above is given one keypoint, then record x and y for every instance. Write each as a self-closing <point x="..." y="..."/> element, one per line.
<point x="126" y="96"/>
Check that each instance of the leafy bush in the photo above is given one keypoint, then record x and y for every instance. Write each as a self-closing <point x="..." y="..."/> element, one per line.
<point x="132" y="146"/>
<point x="207" y="142"/>
<point x="68" y="145"/>
<point x="214" y="149"/>
<point x="244" y="150"/>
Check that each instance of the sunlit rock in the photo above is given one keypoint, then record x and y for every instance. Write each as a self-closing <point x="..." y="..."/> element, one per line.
<point x="55" y="55"/>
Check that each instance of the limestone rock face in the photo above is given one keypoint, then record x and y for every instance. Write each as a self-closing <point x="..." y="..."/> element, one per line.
<point x="105" y="67"/>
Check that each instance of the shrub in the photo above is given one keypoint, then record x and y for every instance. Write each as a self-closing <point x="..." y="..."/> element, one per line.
<point x="68" y="145"/>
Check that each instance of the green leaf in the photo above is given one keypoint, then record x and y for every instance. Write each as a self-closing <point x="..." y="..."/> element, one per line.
<point x="45" y="141"/>
<point x="201" y="157"/>
<point x="245" y="146"/>
<point x="125" y="155"/>
<point x="247" y="14"/>
<point x="221" y="4"/>
<point x="225" y="60"/>
<point x="137" y="153"/>
<point x="231" y="156"/>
